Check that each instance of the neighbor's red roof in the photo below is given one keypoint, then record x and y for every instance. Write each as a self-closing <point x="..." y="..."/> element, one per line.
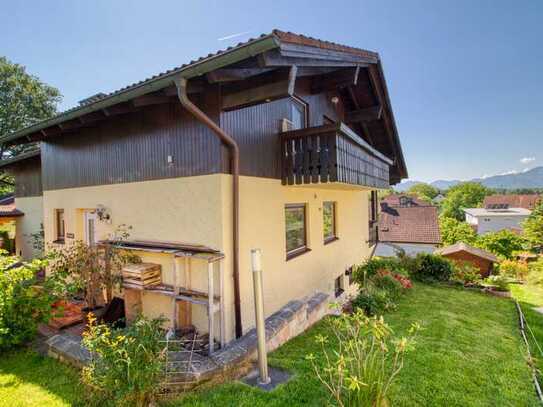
<point x="514" y="201"/>
<point x="414" y="224"/>
<point x="394" y="200"/>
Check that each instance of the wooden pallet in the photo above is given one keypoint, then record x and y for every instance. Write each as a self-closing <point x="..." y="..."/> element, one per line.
<point x="142" y="274"/>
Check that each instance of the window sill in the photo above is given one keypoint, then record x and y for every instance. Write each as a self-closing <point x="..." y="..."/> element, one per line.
<point x="297" y="252"/>
<point x="331" y="240"/>
<point x="59" y="241"/>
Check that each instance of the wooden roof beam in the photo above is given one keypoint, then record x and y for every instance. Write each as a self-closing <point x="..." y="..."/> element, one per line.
<point x="151" y="99"/>
<point x="336" y="79"/>
<point x="234" y="74"/>
<point x="274" y="58"/>
<point x="364" y="115"/>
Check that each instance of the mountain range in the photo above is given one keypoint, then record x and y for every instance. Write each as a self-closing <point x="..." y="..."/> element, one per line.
<point x="529" y="179"/>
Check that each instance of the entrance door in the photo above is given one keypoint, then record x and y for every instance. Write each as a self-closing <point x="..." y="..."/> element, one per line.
<point x="90" y="228"/>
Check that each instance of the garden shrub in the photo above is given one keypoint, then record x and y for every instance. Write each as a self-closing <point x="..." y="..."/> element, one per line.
<point x="127" y="364"/>
<point x="535" y="274"/>
<point x="361" y="369"/>
<point x="499" y="282"/>
<point x="385" y="281"/>
<point x="430" y="268"/>
<point x="372" y="266"/>
<point x="514" y="269"/>
<point x="465" y="273"/>
<point x="373" y="301"/>
<point x="22" y="305"/>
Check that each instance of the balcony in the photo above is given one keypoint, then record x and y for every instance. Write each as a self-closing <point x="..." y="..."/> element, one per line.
<point x="331" y="154"/>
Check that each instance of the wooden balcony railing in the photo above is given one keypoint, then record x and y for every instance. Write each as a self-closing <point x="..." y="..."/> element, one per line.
<point x="331" y="153"/>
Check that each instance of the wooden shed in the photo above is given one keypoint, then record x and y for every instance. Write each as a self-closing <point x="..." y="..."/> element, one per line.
<point x="462" y="252"/>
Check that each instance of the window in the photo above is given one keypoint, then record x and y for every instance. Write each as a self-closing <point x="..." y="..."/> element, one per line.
<point x="60" y="225"/>
<point x="338" y="286"/>
<point x="329" y="221"/>
<point x="298" y="114"/>
<point x="349" y="274"/>
<point x="295" y="226"/>
<point x="373" y="203"/>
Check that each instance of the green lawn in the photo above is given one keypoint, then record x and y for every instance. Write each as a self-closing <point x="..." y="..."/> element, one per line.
<point x="530" y="296"/>
<point x="468" y="354"/>
<point x="27" y="379"/>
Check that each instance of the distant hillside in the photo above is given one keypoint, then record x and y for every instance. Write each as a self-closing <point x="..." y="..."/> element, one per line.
<point x="529" y="179"/>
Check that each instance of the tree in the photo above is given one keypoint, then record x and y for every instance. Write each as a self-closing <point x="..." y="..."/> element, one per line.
<point x="24" y="100"/>
<point x="503" y="243"/>
<point x="461" y="196"/>
<point x="533" y="227"/>
<point x="426" y="192"/>
<point x="454" y="231"/>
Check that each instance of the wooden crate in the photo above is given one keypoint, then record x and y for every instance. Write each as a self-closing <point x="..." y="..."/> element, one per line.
<point x="142" y="274"/>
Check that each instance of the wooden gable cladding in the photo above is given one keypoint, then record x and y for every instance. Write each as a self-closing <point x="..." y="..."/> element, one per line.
<point x="135" y="147"/>
<point x="28" y="177"/>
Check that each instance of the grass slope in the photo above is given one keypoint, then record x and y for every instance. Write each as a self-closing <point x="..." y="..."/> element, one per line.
<point x="529" y="297"/>
<point x="469" y="353"/>
<point x="27" y="379"/>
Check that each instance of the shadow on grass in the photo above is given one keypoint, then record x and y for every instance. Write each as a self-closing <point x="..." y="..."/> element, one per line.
<point x="29" y="379"/>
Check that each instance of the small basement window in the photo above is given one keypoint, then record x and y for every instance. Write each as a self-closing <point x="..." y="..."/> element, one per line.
<point x="338" y="286"/>
<point x="295" y="229"/>
<point x="60" y="226"/>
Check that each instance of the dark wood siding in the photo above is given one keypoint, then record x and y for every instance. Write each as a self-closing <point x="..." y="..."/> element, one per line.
<point x="28" y="180"/>
<point x="134" y="147"/>
<point x="256" y="129"/>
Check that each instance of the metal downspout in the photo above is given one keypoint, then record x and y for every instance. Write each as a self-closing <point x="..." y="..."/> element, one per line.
<point x="181" y="85"/>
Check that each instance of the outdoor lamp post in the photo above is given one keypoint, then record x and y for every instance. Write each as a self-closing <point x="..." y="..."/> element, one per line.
<point x="256" y="263"/>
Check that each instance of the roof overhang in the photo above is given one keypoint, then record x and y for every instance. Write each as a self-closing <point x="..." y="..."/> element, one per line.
<point x="19" y="158"/>
<point x="273" y="51"/>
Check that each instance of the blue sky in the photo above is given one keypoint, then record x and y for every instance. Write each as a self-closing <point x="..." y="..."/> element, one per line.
<point x="465" y="77"/>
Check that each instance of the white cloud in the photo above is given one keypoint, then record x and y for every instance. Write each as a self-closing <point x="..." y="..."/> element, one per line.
<point x="527" y="160"/>
<point x="229" y="37"/>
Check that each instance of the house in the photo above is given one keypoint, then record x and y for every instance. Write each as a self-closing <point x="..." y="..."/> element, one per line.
<point x="526" y="201"/>
<point x="407" y="224"/>
<point x="438" y="199"/>
<point x="462" y="252"/>
<point x="279" y="143"/>
<point x="484" y="220"/>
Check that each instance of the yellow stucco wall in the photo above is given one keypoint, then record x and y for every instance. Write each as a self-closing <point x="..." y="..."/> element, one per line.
<point x="198" y="210"/>
<point x="26" y="225"/>
<point x="263" y="226"/>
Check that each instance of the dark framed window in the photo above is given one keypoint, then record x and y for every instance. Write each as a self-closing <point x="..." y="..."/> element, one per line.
<point x="349" y="274"/>
<point x="373" y="208"/>
<point x="338" y="286"/>
<point x="295" y="229"/>
<point x="329" y="221"/>
<point x="298" y="114"/>
<point x="60" y="225"/>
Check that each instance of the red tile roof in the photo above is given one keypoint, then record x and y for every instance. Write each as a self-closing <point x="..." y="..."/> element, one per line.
<point x="463" y="247"/>
<point x="513" y="201"/>
<point x="394" y="200"/>
<point x="414" y="224"/>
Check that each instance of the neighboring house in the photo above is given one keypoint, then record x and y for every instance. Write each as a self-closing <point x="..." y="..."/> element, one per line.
<point x="526" y="201"/>
<point x="438" y="199"/>
<point x="27" y="209"/>
<point x="307" y="124"/>
<point x="485" y="220"/>
<point x="407" y="224"/>
<point x="461" y="252"/>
